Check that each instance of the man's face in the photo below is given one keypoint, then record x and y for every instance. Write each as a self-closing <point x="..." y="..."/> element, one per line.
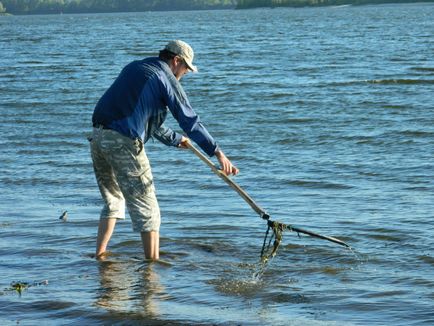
<point x="179" y="67"/>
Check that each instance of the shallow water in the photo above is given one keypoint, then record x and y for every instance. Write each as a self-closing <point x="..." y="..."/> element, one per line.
<point x="328" y="113"/>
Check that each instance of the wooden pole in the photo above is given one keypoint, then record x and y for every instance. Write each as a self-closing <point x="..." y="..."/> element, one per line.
<point x="252" y="203"/>
<point x="229" y="181"/>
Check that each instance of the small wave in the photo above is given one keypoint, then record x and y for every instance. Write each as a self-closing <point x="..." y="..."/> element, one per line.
<point x="276" y="96"/>
<point x="286" y="121"/>
<point x="35" y="62"/>
<point x="282" y="297"/>
<point x="67" y="145"/>
<point x="33" y="152"/>
<point x="298" y="120"/>
<point x="398" y="81"/>
<point x="416" y="133"/>
<point x="385" y="234"/>
<point x="317" y="184"/>
<point x="31" y="39"/>
<point x="401" y="81"/>
<point x="50" y="305"/>
<point x="426" y="259"/>
<point x="31" y="181"/>
<point x="381" y="294"/>
<point x="332" y="270"/>
<point x="341" y="6"/>
<point x="418" y="188"/>
<point x="395" y="107"/>
<point x="398" y="136"/>
<point x="287" y="141"/>
<point x="140" y="53"/>
<point x="423" y="69"/>
<point x="385" y="237"/>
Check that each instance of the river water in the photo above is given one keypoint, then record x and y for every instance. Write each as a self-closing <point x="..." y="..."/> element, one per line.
<point x="328" y="113"/>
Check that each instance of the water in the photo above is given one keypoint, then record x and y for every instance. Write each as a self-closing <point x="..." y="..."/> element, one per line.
<point x="328" y="113"/>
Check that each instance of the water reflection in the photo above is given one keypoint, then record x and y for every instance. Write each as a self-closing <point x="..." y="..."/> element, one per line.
<point x="128" y="287"/>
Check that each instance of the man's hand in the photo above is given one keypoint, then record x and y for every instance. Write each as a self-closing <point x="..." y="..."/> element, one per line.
<point x="226" y="165"/>
<point x="184" y="142"/>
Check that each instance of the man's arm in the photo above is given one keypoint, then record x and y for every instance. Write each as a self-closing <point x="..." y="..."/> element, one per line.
<point x="167" y="136"/>
<point x="177" y="102"/>
<point x="189" y="121"/>
<point x="225" y="164"/>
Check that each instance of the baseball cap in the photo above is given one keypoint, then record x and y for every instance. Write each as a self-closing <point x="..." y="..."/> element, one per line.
<point x="182" y="49"/>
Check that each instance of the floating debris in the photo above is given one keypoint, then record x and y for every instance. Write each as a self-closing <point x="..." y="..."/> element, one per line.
<point x="64" y="216"/>
<point x="21" y="286"/>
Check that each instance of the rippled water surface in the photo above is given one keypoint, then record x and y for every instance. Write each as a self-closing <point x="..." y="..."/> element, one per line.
<point x="328" y="113"/>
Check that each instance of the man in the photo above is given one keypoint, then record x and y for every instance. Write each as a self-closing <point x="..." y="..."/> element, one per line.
<point x="129" y="113"/>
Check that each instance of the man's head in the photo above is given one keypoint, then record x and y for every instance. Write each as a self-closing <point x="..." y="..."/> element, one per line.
<point x="179" y="56"/>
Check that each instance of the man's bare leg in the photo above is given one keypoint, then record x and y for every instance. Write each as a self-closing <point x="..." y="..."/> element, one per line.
<point x="151" y="244"/>
<point x="105" y="231"/>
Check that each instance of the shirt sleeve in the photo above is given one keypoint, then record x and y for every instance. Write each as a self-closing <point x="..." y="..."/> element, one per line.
<point x="188" y="120"/>
<point x="167" y="136"/>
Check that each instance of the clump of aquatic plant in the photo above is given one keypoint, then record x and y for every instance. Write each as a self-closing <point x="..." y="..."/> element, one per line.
<point x="19" y="287"/>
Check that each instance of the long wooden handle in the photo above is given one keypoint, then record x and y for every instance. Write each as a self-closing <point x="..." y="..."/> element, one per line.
<point x="229" y="181"/>
<point x="252" y="203"/>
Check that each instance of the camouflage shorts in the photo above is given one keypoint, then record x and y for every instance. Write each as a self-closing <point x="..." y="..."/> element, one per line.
<point x="124" y="177"/>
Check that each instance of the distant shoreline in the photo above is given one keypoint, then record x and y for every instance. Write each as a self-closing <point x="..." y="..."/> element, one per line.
<point x="250" y="4"/>
<point x="241" y="5"/>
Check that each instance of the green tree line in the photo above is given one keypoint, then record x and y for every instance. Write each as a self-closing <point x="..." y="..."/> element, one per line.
<point x="22" y="7"/>
<point x="245" y="4"/>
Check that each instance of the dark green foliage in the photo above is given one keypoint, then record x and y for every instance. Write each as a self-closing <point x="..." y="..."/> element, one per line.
<point x="245" y="4"/>
<point x="20" y="7"/>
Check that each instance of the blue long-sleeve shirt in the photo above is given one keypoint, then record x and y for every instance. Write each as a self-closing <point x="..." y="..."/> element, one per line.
<point x="137" y="102"/>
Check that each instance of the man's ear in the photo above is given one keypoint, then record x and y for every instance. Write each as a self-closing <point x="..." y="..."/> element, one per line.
<point x="177" y="60"/>
<point x="173" y="62"/>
